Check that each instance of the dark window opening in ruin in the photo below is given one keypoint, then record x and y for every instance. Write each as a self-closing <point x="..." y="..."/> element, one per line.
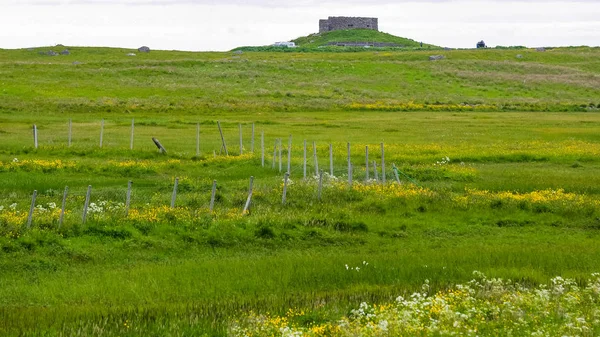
<point x="350" y="25"/>
<point x="368" y="26"/>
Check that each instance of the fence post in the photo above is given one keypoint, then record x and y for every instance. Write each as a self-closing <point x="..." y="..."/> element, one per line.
<point x="70" y="131"/>
<point x="128" y="198"/>
<point x="315" y="157"/>
<point x="35" y="136"/>
<point x="224" y="146"/>
<point x="247" y="205"/>
<point x="212" y="195"/>
<point x="395" y="169"/>
<point x="285" y="184"/>
<point x="30" y="216"/>
<point x="252" y="140"/>
<point x="174" y="196"/>
<point x="382" y="164"/>
<point x="304" y="165"/>
<point x="320" y="184"/>
<point x="132" y="128"/>
<point x="86" y="204"/>
<point x="101" y="131"/>
<point x="197" y="139"/>
<point x="62" y="209"/>
<point x="262" y="148"/>
<point x="289" y="159"/>
<point x="367" y="162"/>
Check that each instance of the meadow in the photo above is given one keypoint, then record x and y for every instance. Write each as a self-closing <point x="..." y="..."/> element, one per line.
<point x="498" y="159"/>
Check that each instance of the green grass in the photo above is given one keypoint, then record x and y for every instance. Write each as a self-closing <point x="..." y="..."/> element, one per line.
<point x="191" y="272"/>
<point x="357" y="35"/>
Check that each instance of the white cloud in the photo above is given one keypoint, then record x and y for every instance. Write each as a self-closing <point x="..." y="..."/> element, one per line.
<point x="225" y="24"/>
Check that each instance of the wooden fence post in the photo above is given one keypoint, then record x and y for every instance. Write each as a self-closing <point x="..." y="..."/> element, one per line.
<point x="174" y="196"/>
<point x="304" y="162"/>
<point x="223" y="145"/>
<point x="35" y="136"/>
<point x="367" y="162"/>
<point x="289" y="159"/>
<point x="101" y="132"/>
<point x="274" y="155"/>
<point x="132" y="128"/>
<point x="62" y="209"/>
<point x="161" y="148"/>
<point x="128" y="198"/>
<point x="382" y="164"/>
<point x="247" y="205"/>
<point x="86" y="204"/>
<point x="285" y="184"/>
<point x="212" y="195"/>
<point x="31" y="208"/>
<point x="70" y="131"/>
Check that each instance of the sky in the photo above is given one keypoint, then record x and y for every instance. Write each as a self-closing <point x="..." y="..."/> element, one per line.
<point x="218" y="25"/>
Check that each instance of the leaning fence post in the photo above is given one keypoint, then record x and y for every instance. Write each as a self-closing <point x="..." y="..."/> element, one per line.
<point x="70" y="131"/>
<point x="35" y="136"/>
<point x="285" y="184"/>
<point x="128" y="198"/>
<point x="315" y="157"/>
<point x="320" y="184"/>
<point x="62" y="209"/>
<point x="86" y="204"/>
<point x="174" y="196"/>
<point x="223" y="146"/>
<point x="304" y="165"/>
<point x="367" y="162"/>
<point x="395" y="169"/>
<point x="382" y="164"/>
<point x="101" y="131"/>
<point x="30" y="216"/>
<point x="247" y="205"/>
<point x="212" y="195"/>
<point x="262" y="148"/>
<point x="132" y="128"/>
<point x="289" y="159"/>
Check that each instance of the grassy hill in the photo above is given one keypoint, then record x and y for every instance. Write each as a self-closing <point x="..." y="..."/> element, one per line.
<point x="356" y="35"/>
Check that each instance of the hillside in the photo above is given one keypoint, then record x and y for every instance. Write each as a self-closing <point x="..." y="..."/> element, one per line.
<point x="356" y="35"/>
<point x="107" y="80"/>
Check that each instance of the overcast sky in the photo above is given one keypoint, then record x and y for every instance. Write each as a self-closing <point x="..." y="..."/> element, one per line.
<point x="200" y="25"/>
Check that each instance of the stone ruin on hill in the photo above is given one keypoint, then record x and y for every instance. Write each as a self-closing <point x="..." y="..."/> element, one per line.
<point x="344" y="22"/>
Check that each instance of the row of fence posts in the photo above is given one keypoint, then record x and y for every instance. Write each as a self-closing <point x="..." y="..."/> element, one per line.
<point x="174" y="196"/>
<point x="277" y="149"/>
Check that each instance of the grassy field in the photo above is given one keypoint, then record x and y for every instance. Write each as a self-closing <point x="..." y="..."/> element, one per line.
<point x="512" y="194"/>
